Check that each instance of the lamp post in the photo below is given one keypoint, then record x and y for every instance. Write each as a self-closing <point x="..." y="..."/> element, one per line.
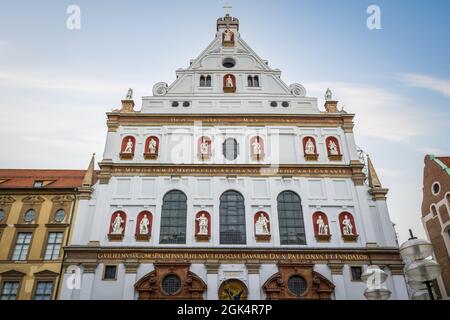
<point x="419" y="269"/>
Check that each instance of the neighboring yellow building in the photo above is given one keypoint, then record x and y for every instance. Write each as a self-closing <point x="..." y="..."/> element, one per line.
<point x="37" y="208"/>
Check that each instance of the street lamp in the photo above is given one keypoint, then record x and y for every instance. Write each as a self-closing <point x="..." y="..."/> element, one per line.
<point x="419" y="269"/>
<point x="374" y="277"/>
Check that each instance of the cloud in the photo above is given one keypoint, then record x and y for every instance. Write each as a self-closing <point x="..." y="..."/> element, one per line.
<point x="46" y="81"/>
<point x="379" y="112"/>
<point x="427" y="82"/>
<point x="429" y="150"/>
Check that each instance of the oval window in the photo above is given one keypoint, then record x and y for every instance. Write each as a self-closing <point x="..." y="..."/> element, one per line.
<point x="228" y="63"/>
<point x="171" y="284"/>
<point x="230" y="149"/>
<point x="436" y="188"/>
<point x="2" y="215"/>
<point x="297" y="285"/>
<point x="29" y="216"/>
<point x="60" y="215"/>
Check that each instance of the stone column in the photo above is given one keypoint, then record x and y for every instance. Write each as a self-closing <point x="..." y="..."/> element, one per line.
<point x="212" y="280"/>
<point x="254" y="288"/>
<point x="337" y="277"/>
<point x="129" y="279"/>
<point x="87" y="280"/>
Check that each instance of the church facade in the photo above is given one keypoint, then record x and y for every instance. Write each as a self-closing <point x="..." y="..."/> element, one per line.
<point x="231" y="184"/>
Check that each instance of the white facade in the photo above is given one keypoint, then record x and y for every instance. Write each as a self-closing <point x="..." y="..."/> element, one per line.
<point x="134" y="189"/>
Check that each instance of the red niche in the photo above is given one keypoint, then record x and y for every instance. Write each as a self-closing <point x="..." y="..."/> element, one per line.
<point x="151" y="150"/>
<point x="347" y="224"/>
<point x="203" y="221"/>
<point x="257" y="148"/>
<point x="320" y="221"/>
<point x="117" y="223"/>
<point x="309" y="146"/>
<point x="229" y="83"/>
<point x="264" y="217"/>
<point x="128" y="145"/>
<point x="333" y="147"/>
<point x="204" y="148"/>
<point x="144" y="222"/>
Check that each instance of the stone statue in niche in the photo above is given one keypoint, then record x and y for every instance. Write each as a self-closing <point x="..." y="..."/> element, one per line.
<point x="117" y="225"/>
<point x="152" y="146"/>
<point x="129" y="147"/>
<point x="322" y="227"/>
<point x="328" y="95"/>
<point x="262" y="225"/>
<point x="203" y="224"/>
<point x="129" y="94"/>
<point x="347" y="227"/>
<point x="229" y="82"/>
<point x="332" y="148"/>
<point x="228" y="36"/>
<point x="204" y="146"/>
<point x="257" y="148"/>
<point x="310" y="148"/>
<point x="143" y="225"/>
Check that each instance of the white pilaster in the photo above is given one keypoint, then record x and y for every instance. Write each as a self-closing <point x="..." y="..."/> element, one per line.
<point x="212" y="280"/>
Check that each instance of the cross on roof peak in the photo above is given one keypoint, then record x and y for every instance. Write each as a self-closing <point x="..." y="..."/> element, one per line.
<point x="227" y="8"/>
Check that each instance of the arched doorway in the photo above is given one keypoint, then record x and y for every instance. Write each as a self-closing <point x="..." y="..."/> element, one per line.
<point x="233" y="289"/>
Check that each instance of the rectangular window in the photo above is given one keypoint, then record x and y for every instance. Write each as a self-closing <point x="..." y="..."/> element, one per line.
<point x="10" y="290"/>
<point x="110" y="273"/>
<point x="356" y="273"/>
<point x="53" y="246"/>
<point x="43" y="290"/>
<point x="23" y="241"/>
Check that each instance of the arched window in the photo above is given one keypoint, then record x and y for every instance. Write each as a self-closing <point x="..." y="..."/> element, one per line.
<point x="173" y="218"/>
<point x="202" y="81"/>
<point x="433" y="210"/>
<point x="208" y="81"/>
<point x="230" y="149"/>
<point x="290" y="218"/>
<point x="256" y="81"/>
<point x="250" y="81"/>
<point x="232" y="218"/>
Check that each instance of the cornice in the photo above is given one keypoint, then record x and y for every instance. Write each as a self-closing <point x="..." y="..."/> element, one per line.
<point x="344" y="120"/>
<point x="110" y="169"/>
<point x="252" y="256"/>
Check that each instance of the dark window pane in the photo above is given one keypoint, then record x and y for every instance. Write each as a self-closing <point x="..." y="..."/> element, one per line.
<point x="356" y="273"/>
<point x="171" y="284"/>
<point x="43" y="290"/>
<point x="110" y="272"/>
<point x="230" y="149"/>
<point x="173" y="218"/>
<point x="232" y="218"/>
<point x="290" y="218"/>
<point x="297" y="285"/>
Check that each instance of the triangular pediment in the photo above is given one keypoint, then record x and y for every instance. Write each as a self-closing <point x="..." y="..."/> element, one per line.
<point x="12" y="274"/>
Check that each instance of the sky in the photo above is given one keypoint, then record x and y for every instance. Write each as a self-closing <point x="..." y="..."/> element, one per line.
<point x="56" y="84"/>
